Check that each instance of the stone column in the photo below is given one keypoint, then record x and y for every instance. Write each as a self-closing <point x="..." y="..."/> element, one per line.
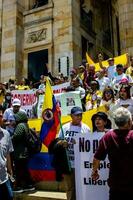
<point x="62" y="35"/>
<point x="1" y="17"/>
<point x="11" y="44"/>
<point x="125" y="9"/>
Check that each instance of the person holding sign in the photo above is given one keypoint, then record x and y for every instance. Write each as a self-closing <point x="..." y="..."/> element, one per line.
<point x="67" y="135"/>
<point x="118" y="145"/>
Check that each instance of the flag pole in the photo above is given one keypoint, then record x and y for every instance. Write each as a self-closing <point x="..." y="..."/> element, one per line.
<point x="63" y="137"/>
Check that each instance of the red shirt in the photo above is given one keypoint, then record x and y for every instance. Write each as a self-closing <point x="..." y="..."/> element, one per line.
<point x="118" y="145"/>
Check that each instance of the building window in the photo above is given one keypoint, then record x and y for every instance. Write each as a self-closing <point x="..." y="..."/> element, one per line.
<point x="39" y="3"/>
<point x="87" y="46"/>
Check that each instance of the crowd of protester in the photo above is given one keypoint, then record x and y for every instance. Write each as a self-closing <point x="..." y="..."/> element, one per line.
<point x="103" y="87"/>
<point x="110" y="87"/>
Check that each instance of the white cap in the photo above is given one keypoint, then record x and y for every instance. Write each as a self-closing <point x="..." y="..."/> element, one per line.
<point x="16" y="102"/>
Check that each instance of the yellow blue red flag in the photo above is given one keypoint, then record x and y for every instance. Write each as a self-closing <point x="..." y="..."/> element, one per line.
<point x="40" y="165"/>
<point x="51" y="114"/>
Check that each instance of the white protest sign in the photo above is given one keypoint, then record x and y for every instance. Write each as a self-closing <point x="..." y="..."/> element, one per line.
<point x="86" y="188"/>
<point x="65" y="100"/>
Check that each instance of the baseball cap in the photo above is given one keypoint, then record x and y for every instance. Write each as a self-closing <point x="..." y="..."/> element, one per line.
<point x="16" y="102"/>
<point x="76" y="110"/>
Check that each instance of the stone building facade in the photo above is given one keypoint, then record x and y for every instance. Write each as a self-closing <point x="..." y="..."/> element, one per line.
<point x="57" y="34"/>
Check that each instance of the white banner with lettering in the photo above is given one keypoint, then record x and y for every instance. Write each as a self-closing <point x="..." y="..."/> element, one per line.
<point x="86" y="188"/>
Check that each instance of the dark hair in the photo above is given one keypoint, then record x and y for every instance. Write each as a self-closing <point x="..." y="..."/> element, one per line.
<point x="1" y="108"/>
<point x="131" y="58"/>
<point x="119" y="66"/>
<point x="108" y="89"/>
<point x="69" y="88"/>
<point x="127" y="89"/>
<point x="97" y="83"/>
<point x="103" y="116"/>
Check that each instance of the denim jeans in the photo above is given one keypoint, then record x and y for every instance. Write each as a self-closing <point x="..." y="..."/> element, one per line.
<point x="6" y="191"/>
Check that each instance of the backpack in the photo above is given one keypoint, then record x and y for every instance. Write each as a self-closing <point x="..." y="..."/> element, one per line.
<point x="33" y="141"/>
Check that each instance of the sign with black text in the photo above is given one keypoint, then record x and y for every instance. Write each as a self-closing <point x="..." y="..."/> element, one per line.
<point x="86" y="188"/>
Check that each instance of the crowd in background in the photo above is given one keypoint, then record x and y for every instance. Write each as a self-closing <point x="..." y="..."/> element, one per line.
<point x="111" y="86"/>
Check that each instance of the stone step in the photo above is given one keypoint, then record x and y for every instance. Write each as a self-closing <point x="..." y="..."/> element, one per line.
<point x="41" y="195"/>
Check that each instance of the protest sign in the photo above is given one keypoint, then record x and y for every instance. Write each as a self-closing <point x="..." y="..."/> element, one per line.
<point x="65" y="100"/>
<point x="86" y="188"/>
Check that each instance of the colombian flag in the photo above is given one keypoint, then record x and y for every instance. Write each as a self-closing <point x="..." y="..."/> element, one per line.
<point x="50" y="109"/>
<point x="40" y="164"/>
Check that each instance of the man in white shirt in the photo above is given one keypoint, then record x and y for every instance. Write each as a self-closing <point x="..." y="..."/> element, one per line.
<point x="111" y="68"/>
<point x="9" y="114"/>
<point x="102" y="80"/>
<point x="67" y="135"/>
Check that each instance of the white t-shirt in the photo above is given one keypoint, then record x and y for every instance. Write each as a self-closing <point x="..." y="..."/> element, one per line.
<point x="70" y="132"/>
<point x="103" y="82"/>
<point x="9" y="115"/>
<point x="111" y="71"/>
<point x="98" y="135"/>
<point x="6" y="148"/>
<point x="128" y="103"/>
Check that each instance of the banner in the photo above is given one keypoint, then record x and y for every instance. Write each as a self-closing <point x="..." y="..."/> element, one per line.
<point x="122" y="59"/>
<point x="27" y="98"/>
<point x="60" y="88"/>
<point x="86" y="188"/>
<point x="36" y="123"/>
